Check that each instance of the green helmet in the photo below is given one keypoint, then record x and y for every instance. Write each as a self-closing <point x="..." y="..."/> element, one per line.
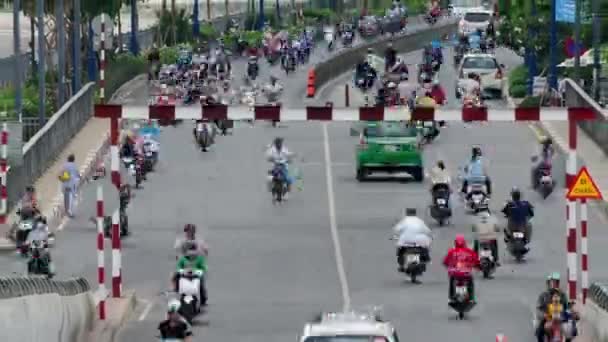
<point x="554" y="276"/>
<point x="173" y="305"/>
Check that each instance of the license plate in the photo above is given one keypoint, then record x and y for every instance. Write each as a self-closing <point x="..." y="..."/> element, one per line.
<point x="486" y="253"/>
<point x="546" y="179"/>
<point x="441" y="201"/>
<point x="518" y="235"/>
<point x="461" y="290"/>
<point x="412" y="258"/>
<point x="477" y="198"/>
<point x="391" y="148"/>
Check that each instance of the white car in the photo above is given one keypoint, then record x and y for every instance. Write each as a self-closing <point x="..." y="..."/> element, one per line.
<point x="351" y="326"/>
<point x="492" y="74"/>
<point x="459" y="7"/>
<point x="473" y="20"/>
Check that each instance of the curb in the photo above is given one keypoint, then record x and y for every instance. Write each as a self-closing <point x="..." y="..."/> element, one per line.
<point x="108" y="330"/>
<point x="543" y="130"/>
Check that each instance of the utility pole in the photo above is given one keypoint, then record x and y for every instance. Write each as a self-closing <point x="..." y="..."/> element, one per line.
<point x="77" y="46"/>
<point x="134" y="46"/>
<point x="553" y="47"/>
<point x="19" y="64"/>
<point x="60" y="25"/>
<point x="531" y="50"/>
<point x="577" y="42"/>
<point x="597" y="67"/>
<point x="196" y="29"/>
<point x="41" y="64"/>
<point x="261" y="17"/>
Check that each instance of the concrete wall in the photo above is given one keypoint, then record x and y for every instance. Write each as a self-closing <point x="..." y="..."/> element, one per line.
<point x="47" y="318"/>
<point x="347" y="59"/>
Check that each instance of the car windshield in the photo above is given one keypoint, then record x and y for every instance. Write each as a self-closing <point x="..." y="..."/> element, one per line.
<point x="393" y="131"/>
<point x="473" y="17"/>
<point x="479" y="63"/>
<point x="466" y="3"/>
<point x="346" y="339"/>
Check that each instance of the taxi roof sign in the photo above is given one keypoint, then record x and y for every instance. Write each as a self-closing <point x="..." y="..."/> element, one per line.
<point x="584" y="187"/>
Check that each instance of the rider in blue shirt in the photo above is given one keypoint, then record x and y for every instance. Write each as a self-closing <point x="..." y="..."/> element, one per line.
<point x="519" y="213"/>
<point x="476" y="171"/>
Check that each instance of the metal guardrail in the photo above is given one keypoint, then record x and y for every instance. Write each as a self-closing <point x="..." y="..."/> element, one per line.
<point x="598" y="293"/>
<point x="597" y="129"/>
<point x="344" y="61"/>
<point x="28" y="286"/>
<point x="40" y="152"/>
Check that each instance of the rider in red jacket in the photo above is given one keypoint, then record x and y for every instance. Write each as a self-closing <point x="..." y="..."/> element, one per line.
<point x="460" y="261"/>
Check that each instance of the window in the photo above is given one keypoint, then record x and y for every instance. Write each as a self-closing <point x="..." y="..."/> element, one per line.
<point x="389" y="130"/>
<point x="479" y="63"/>
<point x="345" y="338"/>
<point x="473" y="17"/>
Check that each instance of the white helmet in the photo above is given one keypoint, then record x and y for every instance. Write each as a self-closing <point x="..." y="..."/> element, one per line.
<point x="173" y="305"/>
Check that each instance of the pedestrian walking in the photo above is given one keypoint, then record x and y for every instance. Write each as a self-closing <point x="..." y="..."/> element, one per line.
<point x="69" y="178"/>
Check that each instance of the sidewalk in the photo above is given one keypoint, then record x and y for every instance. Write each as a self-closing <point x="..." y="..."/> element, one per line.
<point x="593" y="156"/>
<point x="90" y="144"/>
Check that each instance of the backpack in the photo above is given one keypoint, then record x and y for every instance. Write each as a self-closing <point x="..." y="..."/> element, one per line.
<point x="65" y="176"/>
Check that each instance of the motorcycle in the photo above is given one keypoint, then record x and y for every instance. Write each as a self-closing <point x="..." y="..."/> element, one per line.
<point x="516" y="244"/>
<point x="561" y="327"/>
<point x="545" y="183"/>
<point x="189" y="290"/>
<point x="476" y="197"/>
<point x="204" y="137"/>
<point x="278" y="183"/>
<point x="24" y="227"/>
<point x="486" y="259"/>
<point x="365" y="82"/>
<point x="38" y="264"/>
<point x="138" y="171"/>
<point x="440" y="208"/>
<point x="431" y="19"/>
<point x="461" y="302"/>
<point x="414" y="266"/>
<point x="252" y="69"/>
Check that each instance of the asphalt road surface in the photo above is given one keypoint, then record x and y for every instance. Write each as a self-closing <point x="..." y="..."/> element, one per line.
<point x="273" y="267"/>
<point x="334" y="91"/>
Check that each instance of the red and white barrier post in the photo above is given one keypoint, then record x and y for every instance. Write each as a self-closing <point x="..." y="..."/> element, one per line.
<point x="571" y="211"/>
<point x="101" y="276"/>
<point x="102" y="60"/>
<point x="584" y="251"/>
<point x="3" y="173"/>
<point x="116" y="257"/>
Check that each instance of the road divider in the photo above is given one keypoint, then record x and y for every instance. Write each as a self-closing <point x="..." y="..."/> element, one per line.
<point x="595" y="312"/>
<point x="347" y="59"/>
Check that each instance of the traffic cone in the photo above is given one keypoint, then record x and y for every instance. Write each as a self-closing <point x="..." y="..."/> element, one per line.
<point x="310" y="87"/>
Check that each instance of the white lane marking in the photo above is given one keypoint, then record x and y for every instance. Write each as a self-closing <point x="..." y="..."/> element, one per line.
<point x="332" y="220"/>
<point x="147" y="309"/>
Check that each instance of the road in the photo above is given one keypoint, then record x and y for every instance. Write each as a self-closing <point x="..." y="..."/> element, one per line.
<point x="273" y="267"/>
<point x="294" y="84"/>
<point x="334" y="91"/>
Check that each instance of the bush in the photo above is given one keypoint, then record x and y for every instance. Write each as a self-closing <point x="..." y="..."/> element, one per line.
<point x="122" y="69"/>
<point x="518" y="91"/>
<point x="530" y="102"/>
<point x="30" y="101"/>
<point x="518" y="79"/>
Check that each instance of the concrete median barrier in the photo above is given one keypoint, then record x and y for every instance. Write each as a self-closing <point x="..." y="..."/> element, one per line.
<point x="595" y="312"/>
<point x="346" y="60"/>
<point x="39" y="309"/>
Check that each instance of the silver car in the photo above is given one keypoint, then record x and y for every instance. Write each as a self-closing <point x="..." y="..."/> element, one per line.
<point x="492" y="74"/>
<point x="474" y="20"/>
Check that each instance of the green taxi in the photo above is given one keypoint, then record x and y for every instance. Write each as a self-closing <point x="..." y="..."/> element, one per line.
<point x="389" y="147"/>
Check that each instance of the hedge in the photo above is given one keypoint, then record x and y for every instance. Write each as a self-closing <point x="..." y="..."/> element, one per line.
<point x="518" y="79"/>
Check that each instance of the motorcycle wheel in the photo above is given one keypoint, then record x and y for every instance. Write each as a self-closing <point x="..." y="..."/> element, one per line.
<point x="413" y="278"/>
<point x="486" y="273"/>
<point x="137" y="180"/>
<point x="460" y="315"/>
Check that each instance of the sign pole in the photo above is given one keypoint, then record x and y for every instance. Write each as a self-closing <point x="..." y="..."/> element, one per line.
<point x="582" y="189"/>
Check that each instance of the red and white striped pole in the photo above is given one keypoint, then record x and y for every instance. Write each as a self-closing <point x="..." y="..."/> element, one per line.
<point x="116" y="257"/>
<point x="584" y="251"/>
<point x="102" y="59"/>
<point x="101" y="271"/>
<point x="3" y="172"/>
<point x="571" y="210"/>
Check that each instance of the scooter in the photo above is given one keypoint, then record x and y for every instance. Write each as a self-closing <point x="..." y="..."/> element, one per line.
<point x="440" y="208"/>
<point x="414" y="265"/>
<point x="189" y="291"/>
<point x="461" y="302"/>
<point x="486" y="259"/>
<point x="38" y="264"/>
<point x="477" y="198"/>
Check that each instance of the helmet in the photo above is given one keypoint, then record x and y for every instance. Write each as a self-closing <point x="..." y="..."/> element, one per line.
<point x="189" y="227"/>
<point x="278" y="141"/>
<point x="554" y="276"/>
<point x="410" y="212"/>
<point x="460" y="241"/>
<point x="392" y="85"/>
<point x="515" y="194"/>
<point x="547" y="141"/>
<point x="476" y="151"/>
<point x="173" y="305"/>
<point x="441" y="164"/>
<point x="30" y="188"/>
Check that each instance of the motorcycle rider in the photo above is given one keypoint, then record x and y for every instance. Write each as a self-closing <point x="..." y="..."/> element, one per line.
<point x="390" y="57"/>
<point x="470" y="86"/>
<point x="252" y="66"/>
<point x="440" y="178"/>
<point x="476" y="170"/>
<point x="190" y="237"/>
<point x="175" y="326"/>
<point x="273" y="90"/>
<point x="29" y="204"/>
<point x="411" y="230"/>
<point x="545" y="157"/>
<point x="437" y="93"/>
<point x="41" y="233"/>
<point x="519" y="212"/>
<point x="196" y="262"/>
<point x="485" y="228"/>
<point x="460" y="262"/>
<point x="545" y="299"/>
<point x="399" y="67"/>
<point x="278" y="154"/>
<point x="426" y="101"/>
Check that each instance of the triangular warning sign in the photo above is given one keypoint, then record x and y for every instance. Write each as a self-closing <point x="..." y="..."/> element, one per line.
<point x="584" y="187"/>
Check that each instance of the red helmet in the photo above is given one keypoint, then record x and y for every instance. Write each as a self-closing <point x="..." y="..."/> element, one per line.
<point x="460" y="241"/>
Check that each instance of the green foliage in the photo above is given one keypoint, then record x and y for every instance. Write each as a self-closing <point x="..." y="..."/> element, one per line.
<point x="253" y="38"/>
<point x="30" y="102"/>
<point x="323" y="14"/>
<point x="183" y="27"/>
<point x="122" y="69"/>
<point x="530" y="102"/>
<point x="518" y="78"/>
<point x="208" y="32"/>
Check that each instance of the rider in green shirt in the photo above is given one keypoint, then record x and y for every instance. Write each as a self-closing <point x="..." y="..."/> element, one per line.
<point x="195" y="262"/>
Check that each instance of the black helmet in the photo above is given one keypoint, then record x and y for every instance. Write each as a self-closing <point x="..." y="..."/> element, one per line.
<point x="476" y="151"/>
<point x="547" y="141"/>
<point x="189" y="227"/>
<point x="515" y="194"/>
<point x="410" y="212"/>
<point x="30" y="188"/>
<point x="441" y="164"/>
